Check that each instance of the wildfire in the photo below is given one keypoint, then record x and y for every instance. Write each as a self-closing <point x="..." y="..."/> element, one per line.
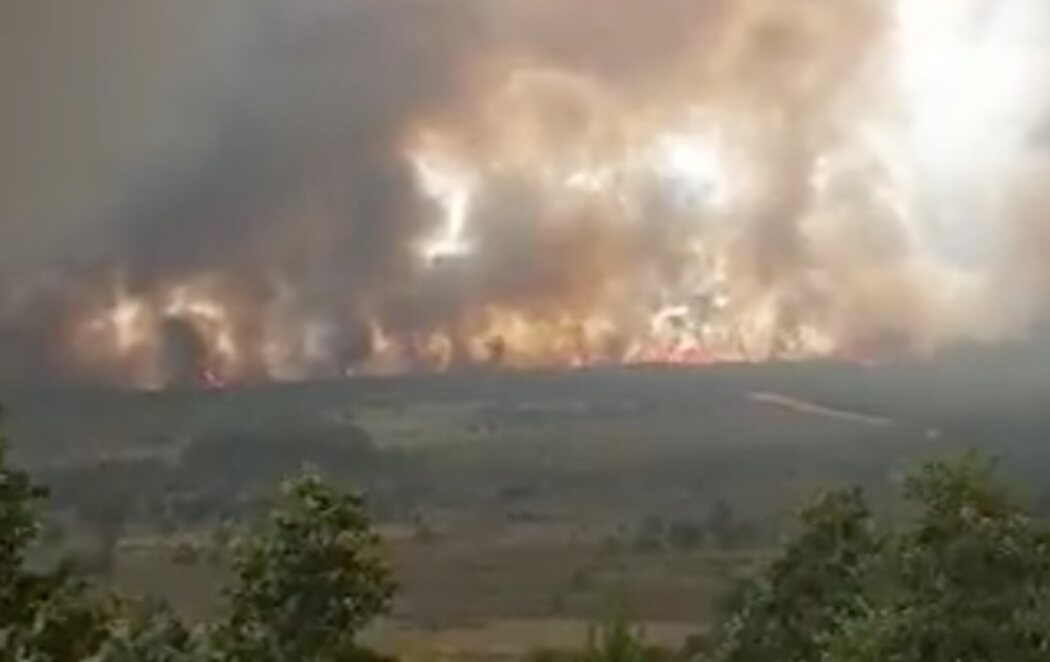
<point x="451" y="190"/>
<point x="181" y="334"/>
<point x="750" y="207"/>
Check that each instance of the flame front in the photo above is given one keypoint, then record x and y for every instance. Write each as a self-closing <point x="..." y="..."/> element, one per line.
<point x="810" y="179"/>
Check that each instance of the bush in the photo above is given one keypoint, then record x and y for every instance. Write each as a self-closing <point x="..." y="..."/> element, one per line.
<point x="806" y="594"/>
<point x="970" y="578"/>
<point x="307" y="580"/>
<point x="616" y="638"/>
<point x="967" y="579"/>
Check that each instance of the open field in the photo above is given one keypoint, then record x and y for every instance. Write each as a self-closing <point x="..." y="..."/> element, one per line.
<point x="515" y="506"/>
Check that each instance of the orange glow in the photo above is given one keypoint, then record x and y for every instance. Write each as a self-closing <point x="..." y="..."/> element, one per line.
<point x="759" y="199"/>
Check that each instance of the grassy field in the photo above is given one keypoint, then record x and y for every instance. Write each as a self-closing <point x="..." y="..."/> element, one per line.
<point x="514" y="506"/>
<point x="510" y="639"/>
<point x="489" y="598"/>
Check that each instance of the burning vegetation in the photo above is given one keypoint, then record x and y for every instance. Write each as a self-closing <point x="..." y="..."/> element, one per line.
<point x="382" y="186"/>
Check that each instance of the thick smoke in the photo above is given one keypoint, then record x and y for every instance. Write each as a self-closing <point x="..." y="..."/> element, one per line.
<point x="292" y="190"/>
<point x="262" y="189"/>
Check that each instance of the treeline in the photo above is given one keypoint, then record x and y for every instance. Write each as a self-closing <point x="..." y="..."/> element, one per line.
<point x="964" y="577"/>
<point x="214" y="478"/>
<point x="305" y="580"/>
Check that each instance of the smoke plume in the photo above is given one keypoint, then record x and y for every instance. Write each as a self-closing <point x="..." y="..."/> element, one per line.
<point x="279" y="189"/>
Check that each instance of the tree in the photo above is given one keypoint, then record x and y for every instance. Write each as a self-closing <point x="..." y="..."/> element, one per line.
<point x="804" y="595"/>
<point x="44" y="616"/>
<point x="971" y="578"/>
<point x="307" y="581"/>
<point x="18" y="528"/>
<point x="966" y="579"/>
<point x="149" y="632"/>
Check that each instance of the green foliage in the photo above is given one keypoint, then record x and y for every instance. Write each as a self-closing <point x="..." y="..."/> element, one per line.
<point x="57" y="621"/>
<point x="149" y="633"/>
<point x="307" y="581"/>
<point x="616" y="638"/>
<point x="971" y="578"/>
<point x="18" y="526"/>
<point x="44" y="616"/>
<point x="806" y="593"/>
<point x="966" y="580"/>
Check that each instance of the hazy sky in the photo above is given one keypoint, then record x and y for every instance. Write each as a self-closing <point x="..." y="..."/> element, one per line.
<point x="89" y="93"/>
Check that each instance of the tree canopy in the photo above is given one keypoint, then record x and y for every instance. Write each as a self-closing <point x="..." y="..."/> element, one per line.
<point x="964" y="577"/>
<point x="306" y="581"/>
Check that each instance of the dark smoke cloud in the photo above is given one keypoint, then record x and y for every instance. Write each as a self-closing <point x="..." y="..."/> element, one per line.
<point x="308" y="113"/>
<point x="259" y="147"/>
<point x="161" y="140"/>
<point x="316" y="112"/>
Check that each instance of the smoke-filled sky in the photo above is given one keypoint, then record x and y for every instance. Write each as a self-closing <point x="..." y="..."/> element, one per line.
<point x="280" y="189"/>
